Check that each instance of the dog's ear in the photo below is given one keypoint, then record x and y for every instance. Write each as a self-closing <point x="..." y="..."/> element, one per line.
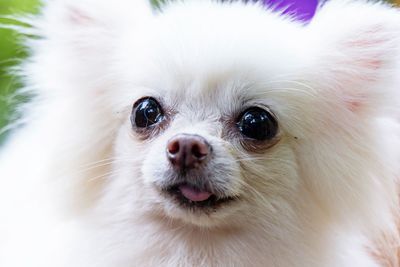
<point x="78" y="21"/>
<point x="358" y="46"/>
<point x="89" y="12"/>
<point x="355" y="76"/>
<point x="77" y="41"/>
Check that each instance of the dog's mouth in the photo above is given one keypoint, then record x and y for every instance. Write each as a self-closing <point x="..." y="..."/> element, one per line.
<point x="193" y="197"/>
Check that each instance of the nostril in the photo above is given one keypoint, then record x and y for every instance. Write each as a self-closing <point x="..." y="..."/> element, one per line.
<point x="173" y="147"/>
<point x="185" y="151"/>
<point x="199" y="151"/>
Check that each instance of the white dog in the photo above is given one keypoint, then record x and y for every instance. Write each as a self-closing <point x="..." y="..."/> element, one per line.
<point x="205" y="134"/>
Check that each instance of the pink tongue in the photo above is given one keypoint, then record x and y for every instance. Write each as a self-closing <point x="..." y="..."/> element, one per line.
<point x="193" y="195"/>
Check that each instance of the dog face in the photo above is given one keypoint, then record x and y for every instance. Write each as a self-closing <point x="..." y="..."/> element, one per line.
<point x="208" y="128"/>
<point x="203" y="158"/>
<point x="245" y="114"/>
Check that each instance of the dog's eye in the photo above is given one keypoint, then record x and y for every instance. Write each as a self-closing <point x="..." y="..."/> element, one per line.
<point x="257" y="123"/>
<point x="146" y="112"/>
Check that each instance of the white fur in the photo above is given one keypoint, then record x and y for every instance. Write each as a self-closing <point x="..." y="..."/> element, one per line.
<point x="77" y="185"/>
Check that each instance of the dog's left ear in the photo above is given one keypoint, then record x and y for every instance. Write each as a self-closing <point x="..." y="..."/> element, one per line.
<point x="358" y="46"/>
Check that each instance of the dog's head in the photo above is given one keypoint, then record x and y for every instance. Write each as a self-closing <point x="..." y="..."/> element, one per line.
<point x="219" y="113"/>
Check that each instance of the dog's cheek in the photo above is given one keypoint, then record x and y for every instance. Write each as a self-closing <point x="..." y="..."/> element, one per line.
<point x="343" y="169"/>
<point x="125" y="189"/>
<point x="272" y="177"/>
<point x="130" y="153"/>
<point x="155" y="164"/>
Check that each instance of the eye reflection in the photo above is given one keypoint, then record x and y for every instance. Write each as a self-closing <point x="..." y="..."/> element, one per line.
<point x="258" y="124"/>
<point x="146" y="112"/>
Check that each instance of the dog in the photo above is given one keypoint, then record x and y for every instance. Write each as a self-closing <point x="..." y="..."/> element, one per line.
<point x="205" y="133"/>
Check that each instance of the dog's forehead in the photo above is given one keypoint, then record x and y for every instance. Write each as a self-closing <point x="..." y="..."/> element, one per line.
<point x="211" y="95"/>
<point x="220" y="55"/>
<point x="225" y="40"/>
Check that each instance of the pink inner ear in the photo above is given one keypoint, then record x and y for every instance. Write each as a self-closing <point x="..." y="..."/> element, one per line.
<point x="355" y="105"/>
<point x="363" y="62"/>
<point x="352" y="97"/>
<point x="368" y="45"/>
<point x="373" y="63"/>
<point x="77" y="17"/>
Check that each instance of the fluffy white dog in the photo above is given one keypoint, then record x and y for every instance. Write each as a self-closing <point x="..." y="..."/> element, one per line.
<point x="205" y="134"/>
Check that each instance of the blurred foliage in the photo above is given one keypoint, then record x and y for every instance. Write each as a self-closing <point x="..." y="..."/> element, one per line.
<point x="11" y="53"/>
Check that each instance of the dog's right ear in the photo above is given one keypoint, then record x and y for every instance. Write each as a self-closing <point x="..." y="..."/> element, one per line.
<point x="87" y="23"/>
<point x="77" y="40"/>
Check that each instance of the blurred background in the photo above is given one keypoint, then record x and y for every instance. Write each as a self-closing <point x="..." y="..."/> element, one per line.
<point x="11" y="53"/>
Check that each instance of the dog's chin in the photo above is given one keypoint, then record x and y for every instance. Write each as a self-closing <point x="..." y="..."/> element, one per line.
<point x="197" y="206"/>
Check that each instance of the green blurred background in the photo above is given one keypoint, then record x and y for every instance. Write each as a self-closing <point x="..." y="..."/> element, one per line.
<point x="10" y="54"/>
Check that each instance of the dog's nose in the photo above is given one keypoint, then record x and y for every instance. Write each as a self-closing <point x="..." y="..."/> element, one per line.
<point x="186" y="151"/>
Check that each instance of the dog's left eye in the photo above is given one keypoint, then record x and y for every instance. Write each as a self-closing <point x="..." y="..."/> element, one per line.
<point x="257" y="123"/>
<point x="146" y="112"/>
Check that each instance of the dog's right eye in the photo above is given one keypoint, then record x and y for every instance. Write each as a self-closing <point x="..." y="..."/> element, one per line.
<point x="146" y="112"/>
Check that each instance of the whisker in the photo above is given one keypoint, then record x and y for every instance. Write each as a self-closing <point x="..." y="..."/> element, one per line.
<point x="251" y="159"/>
<point x="109" y="174"/>
<point x="98" y="164"/>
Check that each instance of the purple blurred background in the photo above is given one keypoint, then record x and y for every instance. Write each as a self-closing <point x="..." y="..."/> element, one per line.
<point x="302" y="10"/>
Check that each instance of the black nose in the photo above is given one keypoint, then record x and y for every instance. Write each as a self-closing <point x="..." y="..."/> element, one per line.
<point x="186" y="151"/>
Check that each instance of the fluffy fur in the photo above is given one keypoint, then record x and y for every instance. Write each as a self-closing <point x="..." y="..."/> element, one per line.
<point x="78" y="186"/>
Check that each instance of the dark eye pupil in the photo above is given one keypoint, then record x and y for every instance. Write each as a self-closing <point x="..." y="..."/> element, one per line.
<point x="147" y="113"/>
<point x="258" y="124"/>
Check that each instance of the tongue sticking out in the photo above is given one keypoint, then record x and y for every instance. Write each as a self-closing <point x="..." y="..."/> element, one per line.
<point x="193" y="194"/>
